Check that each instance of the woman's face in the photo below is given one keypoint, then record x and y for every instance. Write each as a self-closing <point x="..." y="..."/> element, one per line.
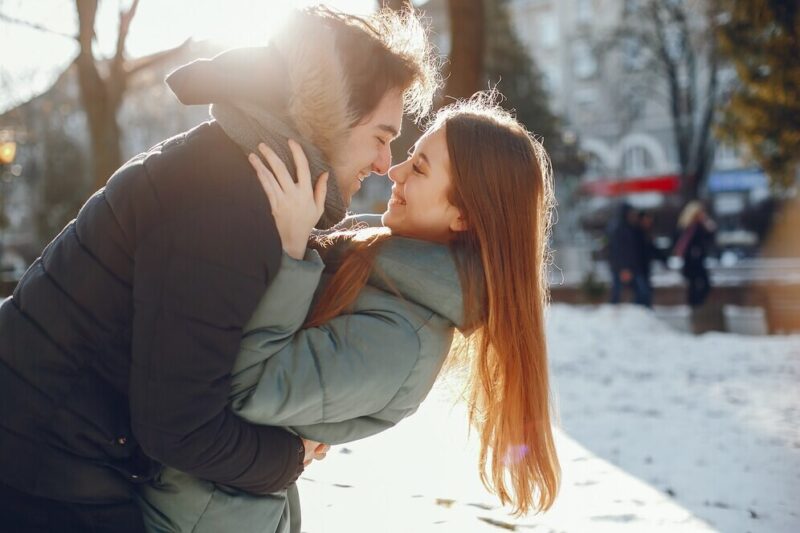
<point x="419" y="207"/>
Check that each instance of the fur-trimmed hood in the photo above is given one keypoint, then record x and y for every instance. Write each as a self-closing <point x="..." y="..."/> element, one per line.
<point x="298" y="76"/>
<point x="318" y="92"/>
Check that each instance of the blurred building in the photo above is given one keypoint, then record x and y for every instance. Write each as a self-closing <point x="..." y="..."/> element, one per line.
<point x="601" y="86"/>
<point x="609" y="99"/>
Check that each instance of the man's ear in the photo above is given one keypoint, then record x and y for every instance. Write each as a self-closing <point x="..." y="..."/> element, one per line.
<point x="459" y="223"/>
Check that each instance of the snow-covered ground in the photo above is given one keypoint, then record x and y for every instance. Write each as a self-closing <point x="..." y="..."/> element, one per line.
<point x="660" y="431"/>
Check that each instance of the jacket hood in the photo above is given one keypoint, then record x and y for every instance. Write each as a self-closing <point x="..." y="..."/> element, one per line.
<point x="298" y="76"/>
<point x="318" y="92"/>
<point x="422" y="272"/>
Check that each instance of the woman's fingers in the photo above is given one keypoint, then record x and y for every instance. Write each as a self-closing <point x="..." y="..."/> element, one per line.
<point x="321" y="451"/>
<point x="322" y="448"/>
<point x="266" y="179"/>
<point x="320" y="191"/>
<point x="279" y="169"/>
<point x="301" y="164"/>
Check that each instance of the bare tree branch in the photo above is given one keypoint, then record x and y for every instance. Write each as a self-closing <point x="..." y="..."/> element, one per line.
<point x="680" y="41"/>
<point x="125" y="19"/>
<point x="35" y="26"/>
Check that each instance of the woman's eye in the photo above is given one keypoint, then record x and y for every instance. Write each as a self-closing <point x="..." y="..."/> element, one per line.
<point x="416" y="169"/>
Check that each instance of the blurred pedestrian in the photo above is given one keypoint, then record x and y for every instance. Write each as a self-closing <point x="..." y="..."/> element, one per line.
<point x="625" y="256"/>
<point x="649" y="252"/>
<point x="696" y="231"/>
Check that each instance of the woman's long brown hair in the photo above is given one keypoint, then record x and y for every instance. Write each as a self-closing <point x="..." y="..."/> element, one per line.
<point x="501" y="182"/>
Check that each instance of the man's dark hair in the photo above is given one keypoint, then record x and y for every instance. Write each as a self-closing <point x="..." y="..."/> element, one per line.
<point x="384" y="51"/>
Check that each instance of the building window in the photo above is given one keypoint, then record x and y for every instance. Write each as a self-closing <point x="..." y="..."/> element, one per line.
<point x="633" y="56"/>
<point x="551" y="76"/>
<point x="674" y="41"/>
<point x="584" y="63"/>
<point x="583" y="11"/>
<point x="585" y="96"/>
<point x="726" y="156"/>
<point x="595" y="168"/>
<point x="631" y="7"/>
<point x="442" y="42"/>
<point x="637" y="161"/>
<point x="548" y="30"/>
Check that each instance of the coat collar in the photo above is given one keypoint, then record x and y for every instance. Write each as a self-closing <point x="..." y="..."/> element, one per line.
<point x="422" y="272"/>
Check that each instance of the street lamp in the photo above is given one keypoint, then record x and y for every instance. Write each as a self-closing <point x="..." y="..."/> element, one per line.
<point x="8" y="149"/>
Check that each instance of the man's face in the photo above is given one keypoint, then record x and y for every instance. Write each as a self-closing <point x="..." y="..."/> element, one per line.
<point x="367" y="147"/>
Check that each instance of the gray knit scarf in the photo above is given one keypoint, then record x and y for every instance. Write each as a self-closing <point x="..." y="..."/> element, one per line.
<point x="249" y="125"/>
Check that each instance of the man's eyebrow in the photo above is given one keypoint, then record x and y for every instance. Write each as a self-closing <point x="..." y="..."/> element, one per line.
<point x="389" y="129"/>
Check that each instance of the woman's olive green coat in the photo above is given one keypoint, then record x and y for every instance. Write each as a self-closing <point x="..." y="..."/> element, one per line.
<point x="357" y="375"/>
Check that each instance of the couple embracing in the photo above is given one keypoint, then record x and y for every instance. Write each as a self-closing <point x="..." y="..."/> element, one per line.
<point x="211" y="322"/>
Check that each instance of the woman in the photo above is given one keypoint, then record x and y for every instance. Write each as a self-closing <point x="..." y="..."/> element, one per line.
<point x="696" y="232"/>
<point x="463" y="245"/>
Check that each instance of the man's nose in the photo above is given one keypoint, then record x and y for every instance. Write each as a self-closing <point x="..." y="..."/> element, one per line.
<point x="383" y="161"/>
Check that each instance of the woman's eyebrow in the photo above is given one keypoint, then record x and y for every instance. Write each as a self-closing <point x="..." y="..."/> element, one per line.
<point x="413" y="150"/>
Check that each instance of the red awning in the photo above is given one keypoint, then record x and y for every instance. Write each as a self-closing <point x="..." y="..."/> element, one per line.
<point x="665" y="184"/>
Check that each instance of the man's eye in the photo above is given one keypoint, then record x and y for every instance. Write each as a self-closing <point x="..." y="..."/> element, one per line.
<point x="381" y="140"/>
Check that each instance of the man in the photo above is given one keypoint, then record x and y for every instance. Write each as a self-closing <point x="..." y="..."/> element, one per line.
<point x="117" y="345"/>
<point x="625" y="256"/>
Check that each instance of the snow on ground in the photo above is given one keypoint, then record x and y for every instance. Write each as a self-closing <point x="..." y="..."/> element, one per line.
<point x="660" y="432"/>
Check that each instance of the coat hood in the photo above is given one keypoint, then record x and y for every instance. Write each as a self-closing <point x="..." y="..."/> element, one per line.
<point x="422" y="272"/>
<point x="298" y="76"/>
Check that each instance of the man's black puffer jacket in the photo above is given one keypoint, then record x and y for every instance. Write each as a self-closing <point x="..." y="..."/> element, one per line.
<point x="117" y="344"/>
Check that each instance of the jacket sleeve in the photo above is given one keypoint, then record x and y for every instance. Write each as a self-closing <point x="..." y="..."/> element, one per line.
<point x="349" y="367"/>
<point x="280" y="313"/>
<point x="196" y="282"/>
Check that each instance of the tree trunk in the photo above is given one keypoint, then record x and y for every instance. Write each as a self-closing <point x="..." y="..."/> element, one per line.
<point x="467" y="47"/>
<point x="101" y="98"/>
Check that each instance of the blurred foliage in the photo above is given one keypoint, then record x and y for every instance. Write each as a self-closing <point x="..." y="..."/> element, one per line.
<point x="762" y="40"/>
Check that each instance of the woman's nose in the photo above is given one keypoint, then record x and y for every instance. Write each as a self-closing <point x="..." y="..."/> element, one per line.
<point x="396" y="173"/>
